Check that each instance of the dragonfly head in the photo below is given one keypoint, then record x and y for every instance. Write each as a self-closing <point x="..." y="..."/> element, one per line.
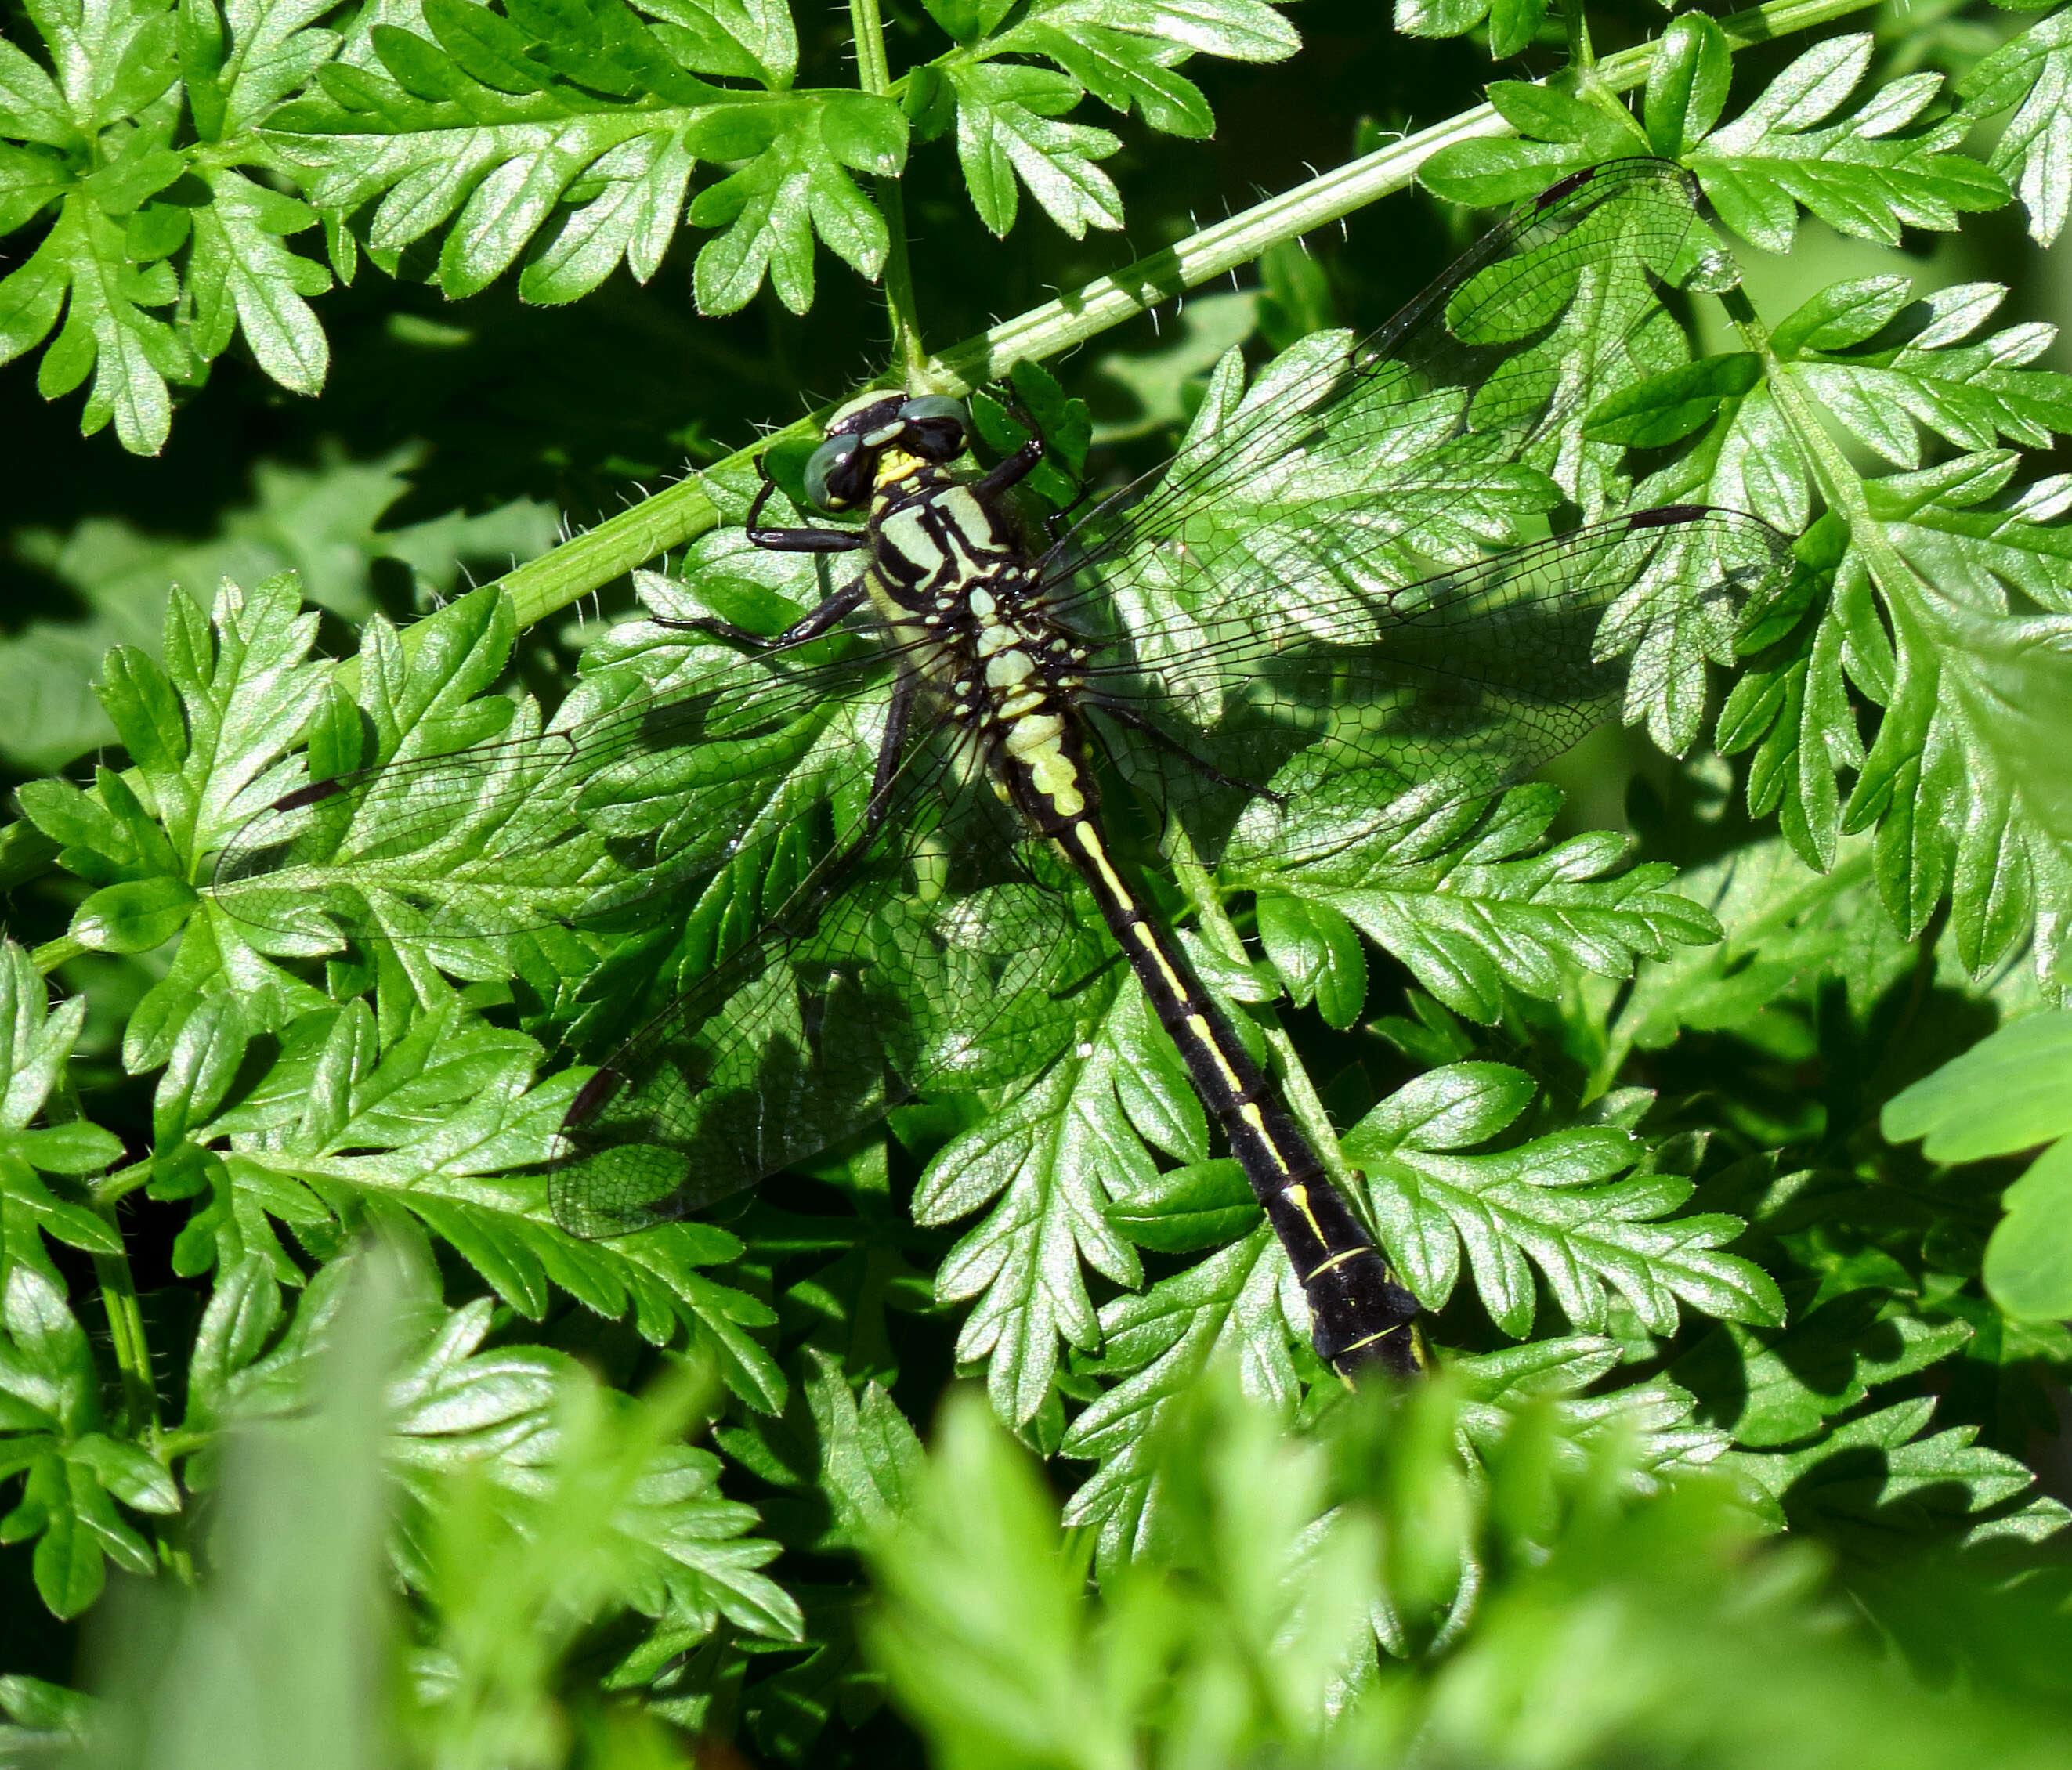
<point x="878" y="438"/>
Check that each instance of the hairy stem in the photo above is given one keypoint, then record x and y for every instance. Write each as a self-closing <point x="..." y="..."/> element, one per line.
<point x="873" y="74"/>
<point x="126" y="1336"/>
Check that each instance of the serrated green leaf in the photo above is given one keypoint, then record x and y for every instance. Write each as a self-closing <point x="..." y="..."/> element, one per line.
<point x="1666" y="408"/>
<point x="2033" y="73"/>
<point x="1687" y="84"/>
<point x="69" y="1565"/>
<point x="241" y="276"/>
<point x="46" y="1361"/>
<point x="2028" y="1268"/>
<point x="129" y="1472"/>
<point x="1007" y="129"/>
<point x="1439" y="18"/>
<point x="870" y="1457"/>
<point x="34" y="1041"/>
<point x="1974" y="694"/>
<point x="1491" y="174"/>
<point x="74" y="1147"/>
<point x="1237" y="1303"/>
<point x="1777" y="1387"/>
<point x="130" y="355"/>
<point x="1547" y="114"/>
<point x="30" y="180"/>
<point x="1059" y="1154"/>
<point x="1875" y="1482"/>
<point x="204" y="1060"/>
<point x="771" y="210"/>
<point x="2010" y="1091"/>
<point x="1553" y="1200"/>
<point x="1318" y="954"/>
<point x="1514" y="24"/>
<point x="133" y="917"/>
<point x="1463" y="1103"/>
<point x="1870" y="174"/>
<point x="1204" y="1204"/>
<point x="865" y="132"/>
<point x="1470" y="928"/>
<point x="32" y="105"/>
<point x="1841" y="314"/>
<point x="749" y="39"/>
<point x="1123" y="71"/>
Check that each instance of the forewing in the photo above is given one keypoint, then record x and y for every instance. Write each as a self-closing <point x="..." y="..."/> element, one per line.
<point x="1307" y="599"/>
<point x="626" y="801"/>
<point x="1373" y="463"/>
<point x="1453" y="686"/>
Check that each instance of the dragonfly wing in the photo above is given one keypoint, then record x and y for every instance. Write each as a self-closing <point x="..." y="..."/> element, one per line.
<point x="1433" y="436"/>
<point x="1308" y="595"/>
<point x="1456" y="685"/>
<point x="932" y="954"/>
<point x="561" y="826"/>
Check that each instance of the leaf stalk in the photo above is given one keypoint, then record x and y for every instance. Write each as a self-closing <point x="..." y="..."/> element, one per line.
<point x="873" y="73"/>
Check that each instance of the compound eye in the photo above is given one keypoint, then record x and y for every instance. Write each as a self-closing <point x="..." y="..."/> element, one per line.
<point x="937" y="426"/>
<point x="836" y="475"/>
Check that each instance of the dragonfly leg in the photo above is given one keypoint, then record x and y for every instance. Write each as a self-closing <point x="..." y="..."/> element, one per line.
<point x="796" y="541"/>
<point x="1054" y="524"/>
<point x="891" y="748"/>
<point x="841" y="604"/>
<point x="1012" y="471"/>
<point x="810" y="541"/>
<point x="1124" y="714"/>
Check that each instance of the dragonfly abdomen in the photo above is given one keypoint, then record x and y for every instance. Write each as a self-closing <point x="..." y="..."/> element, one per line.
<point x="1358" y="1315"/>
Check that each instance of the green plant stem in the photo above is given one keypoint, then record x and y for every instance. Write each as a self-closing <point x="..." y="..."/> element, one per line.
<point x="873" y="75"/>
<point x="1914" y="607"/>
<point x="1582" y="55"/>
<point x="125" y="1332"/>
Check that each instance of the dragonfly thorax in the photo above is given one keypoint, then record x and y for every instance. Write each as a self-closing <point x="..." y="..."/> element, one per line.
<point x="951" y="576"/>
<point x="933" y="537"/>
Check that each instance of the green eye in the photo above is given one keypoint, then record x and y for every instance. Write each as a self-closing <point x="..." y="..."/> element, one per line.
<point x="937" y="426"/>
<point x="834" y="475"/>
<point x="933" y="405"/>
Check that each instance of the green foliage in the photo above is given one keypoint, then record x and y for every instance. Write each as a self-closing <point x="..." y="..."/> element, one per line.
<point x="1299" y="1589"/>
<point x="1722" y="1454"/>
<point x="577" y="1507"/>
<point x="2010" y="1092"/>
<point x="325" y="523"/>
<point x="562" y="132"/>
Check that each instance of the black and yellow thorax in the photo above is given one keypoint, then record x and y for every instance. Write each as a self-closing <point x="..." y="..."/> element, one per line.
<point x="951" y="574"/>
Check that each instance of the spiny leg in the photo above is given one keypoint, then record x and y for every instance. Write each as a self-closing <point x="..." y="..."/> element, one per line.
<point x="830" y="613"/>
<point x="1010" y="402"/>
<point x="796" y="541"/>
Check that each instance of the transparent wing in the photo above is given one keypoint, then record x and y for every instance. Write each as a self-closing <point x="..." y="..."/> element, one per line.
<point x="945" y="951"/>
<point x="565" y="825"/>
<point x="1454" y="685"/>
<point x="1421" y="445"/>
<point x="1308" y="594"/>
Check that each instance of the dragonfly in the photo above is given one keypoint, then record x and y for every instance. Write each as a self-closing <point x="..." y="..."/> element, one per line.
<point x="883" y="839"/>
